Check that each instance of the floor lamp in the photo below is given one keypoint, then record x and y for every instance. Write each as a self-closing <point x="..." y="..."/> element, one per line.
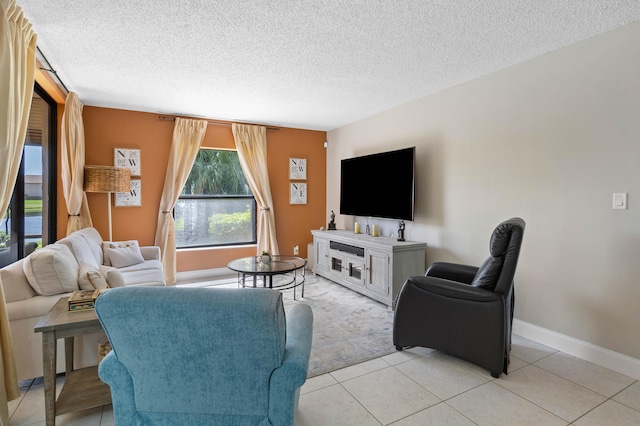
<point x="107" y="179"/>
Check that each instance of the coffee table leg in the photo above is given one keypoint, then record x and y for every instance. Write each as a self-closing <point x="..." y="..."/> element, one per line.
<point x="295" y="283"/>
<point x="49" y="371"/>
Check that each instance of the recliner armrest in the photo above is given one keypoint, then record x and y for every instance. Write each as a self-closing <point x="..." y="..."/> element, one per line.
<point x="150" y="252"/>
<point x="453" y="289"/>
<point x="452" y="271"/>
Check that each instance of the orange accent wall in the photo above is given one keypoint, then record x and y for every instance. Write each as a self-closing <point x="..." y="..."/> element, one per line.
<point x="106" y="129"/>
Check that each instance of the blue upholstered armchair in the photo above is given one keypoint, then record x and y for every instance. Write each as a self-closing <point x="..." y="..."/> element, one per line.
<point x="201" y="356"/>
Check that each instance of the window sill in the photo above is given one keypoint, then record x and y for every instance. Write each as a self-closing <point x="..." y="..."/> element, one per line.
<point x="195" y="249"/>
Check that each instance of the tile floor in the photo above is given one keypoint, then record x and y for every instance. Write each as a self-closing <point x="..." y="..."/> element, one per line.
<point x="424" y="387"/>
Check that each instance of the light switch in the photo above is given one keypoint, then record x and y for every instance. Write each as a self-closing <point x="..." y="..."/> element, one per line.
<point x="620" y="200"/>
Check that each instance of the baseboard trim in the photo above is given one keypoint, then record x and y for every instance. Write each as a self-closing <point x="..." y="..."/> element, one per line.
<point x="598" y="355"/>
<point x="186" y="277"/>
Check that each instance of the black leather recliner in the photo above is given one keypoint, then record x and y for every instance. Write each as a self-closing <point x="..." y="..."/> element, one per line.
<point x="464" y="310"/>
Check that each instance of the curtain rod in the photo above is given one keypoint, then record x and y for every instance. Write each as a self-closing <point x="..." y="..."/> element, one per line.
<point x="215" y="122"/>
<point x="45" y="62"/>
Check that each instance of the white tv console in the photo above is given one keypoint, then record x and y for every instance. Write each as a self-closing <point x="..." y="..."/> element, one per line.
<point x="374" y="266"/>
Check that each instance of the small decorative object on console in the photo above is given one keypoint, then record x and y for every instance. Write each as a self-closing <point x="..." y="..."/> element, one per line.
<point x="401" y="231"/>
<point x="81" y="300"/>
<point x="332" y="223"/>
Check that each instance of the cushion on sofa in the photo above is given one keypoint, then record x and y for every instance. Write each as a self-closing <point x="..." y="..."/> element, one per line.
<point x="95" y="242"/>
<point x="121" y="257"/>
<point x="81" y="249"/>
<point x="150" y="277"/>
<point x="114" y="245"/>
<point x="52" y="270"/>
<point x="90" y="278"/>
<point x="92" y="235"/>
<point x="113" y="276"/>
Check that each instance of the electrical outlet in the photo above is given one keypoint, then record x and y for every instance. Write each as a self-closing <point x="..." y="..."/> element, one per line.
<point x="296" y="250"/>
<point x="620" y="200"/>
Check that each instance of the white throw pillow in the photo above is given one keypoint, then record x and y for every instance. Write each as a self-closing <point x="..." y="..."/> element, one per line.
<point x="113" y="276"/>
<point x="124" y="256"/>
<point x="52" y="270"/>
<point x="113" y="245"/>
<point x="90" y="278"/>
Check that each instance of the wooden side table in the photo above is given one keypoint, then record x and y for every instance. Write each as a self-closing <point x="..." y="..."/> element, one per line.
<point x="82" y="388"/>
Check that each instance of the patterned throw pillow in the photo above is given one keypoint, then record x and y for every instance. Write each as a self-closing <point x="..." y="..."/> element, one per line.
<point x="116" y="245"/>
<point x="90" y="278"/>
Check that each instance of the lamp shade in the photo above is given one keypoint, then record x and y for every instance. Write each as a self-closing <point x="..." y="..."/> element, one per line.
<point x="107" y="179"/>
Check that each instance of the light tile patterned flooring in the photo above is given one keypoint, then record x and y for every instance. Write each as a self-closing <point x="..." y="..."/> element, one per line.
<point x="424" y="387"/>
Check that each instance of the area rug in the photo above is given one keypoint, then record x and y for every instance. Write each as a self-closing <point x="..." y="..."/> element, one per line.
<point x="348" y="328"/>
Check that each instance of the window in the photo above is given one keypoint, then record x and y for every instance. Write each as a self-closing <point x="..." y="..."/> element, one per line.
<point x="216" y="206"/>
<point x="29" y="222"/>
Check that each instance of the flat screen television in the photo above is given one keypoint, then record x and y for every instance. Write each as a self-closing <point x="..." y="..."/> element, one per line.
<point x="379" y="185"/>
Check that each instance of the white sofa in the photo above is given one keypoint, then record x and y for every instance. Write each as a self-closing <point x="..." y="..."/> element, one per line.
<point x="34" y="284"/>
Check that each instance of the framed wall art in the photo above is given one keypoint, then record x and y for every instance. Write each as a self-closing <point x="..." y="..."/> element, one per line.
<point x="297" y="193"/>
<point x="128" y="158"/>
<point x="298" y="168"/>
<point x="133" y="198"/>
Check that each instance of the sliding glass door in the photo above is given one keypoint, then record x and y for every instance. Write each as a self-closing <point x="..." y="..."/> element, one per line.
<point x="29" y="222"/>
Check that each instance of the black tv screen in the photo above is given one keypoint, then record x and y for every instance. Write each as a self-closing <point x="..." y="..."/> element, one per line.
<point x="379" y="185"/>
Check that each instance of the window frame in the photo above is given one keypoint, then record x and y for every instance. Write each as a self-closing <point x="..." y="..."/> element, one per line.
<point x="254" y="210"/>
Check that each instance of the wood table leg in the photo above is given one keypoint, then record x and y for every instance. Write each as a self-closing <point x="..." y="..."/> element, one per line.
<point x="68" y="354"/>
<point x="49" y="354"/>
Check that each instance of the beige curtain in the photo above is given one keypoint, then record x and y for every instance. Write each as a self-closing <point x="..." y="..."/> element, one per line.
<point x="73" y="165"/>
<point x="251" y="143"/>
<point x="187" y="138"/>
<point x="17" y="70"/>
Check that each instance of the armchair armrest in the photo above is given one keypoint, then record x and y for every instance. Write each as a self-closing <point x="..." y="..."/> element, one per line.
<point x="453" y="289"/>
<point x="150" y="252"/>
<point x="295" y="363"/>
<point x="290" y="376"/>
<point x="114" y="374"/>
<point x="452" y="271"/>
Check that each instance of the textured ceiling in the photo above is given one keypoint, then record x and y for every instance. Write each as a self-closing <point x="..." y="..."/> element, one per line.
<point x="316" y="64"/>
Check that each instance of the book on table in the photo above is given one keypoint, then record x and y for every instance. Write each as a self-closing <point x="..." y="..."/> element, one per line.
<point x="82" y="300"/>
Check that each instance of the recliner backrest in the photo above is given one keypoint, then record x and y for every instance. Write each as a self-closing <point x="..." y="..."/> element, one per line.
<point x="497" y="272"/>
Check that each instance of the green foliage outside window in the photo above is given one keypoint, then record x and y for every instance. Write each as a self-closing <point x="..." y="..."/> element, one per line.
<point x="226" y="227"/>
<point x="216" y="172"/>
<point x="216" y="205"/>
<point x="4" y="239"/>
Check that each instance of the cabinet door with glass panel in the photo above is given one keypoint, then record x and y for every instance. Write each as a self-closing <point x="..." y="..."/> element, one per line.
<point x="355" y="270"/>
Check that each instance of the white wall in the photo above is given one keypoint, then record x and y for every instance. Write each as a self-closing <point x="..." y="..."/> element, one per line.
<point x="548" y="140"/>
